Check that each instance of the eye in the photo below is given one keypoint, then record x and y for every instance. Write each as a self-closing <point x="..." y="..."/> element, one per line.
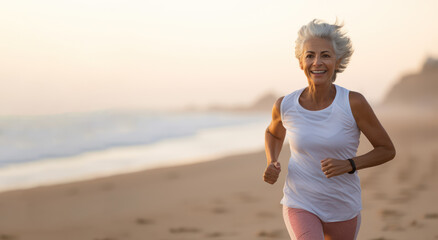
<point x="326" y="56"/>
<point x="309" y="56"/>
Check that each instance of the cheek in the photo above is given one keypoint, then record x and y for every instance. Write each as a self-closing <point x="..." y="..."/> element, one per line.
<point x="305" y="65"/>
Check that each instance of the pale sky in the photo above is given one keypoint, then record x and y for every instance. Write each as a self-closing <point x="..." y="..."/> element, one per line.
<point x="87" y="55"/>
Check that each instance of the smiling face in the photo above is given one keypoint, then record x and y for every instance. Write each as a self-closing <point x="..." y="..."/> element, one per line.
<point x="318" y="61"/>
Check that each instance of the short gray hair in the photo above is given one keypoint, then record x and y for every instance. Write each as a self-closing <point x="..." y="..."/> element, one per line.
<point x="332" y="32"/>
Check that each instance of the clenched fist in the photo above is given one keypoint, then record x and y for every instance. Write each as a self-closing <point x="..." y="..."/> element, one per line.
<point x="272" y="172"/>
<point x="335" y="167"/>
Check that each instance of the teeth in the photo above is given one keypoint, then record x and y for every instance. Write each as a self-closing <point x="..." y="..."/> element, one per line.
<point x="318" y="71"/>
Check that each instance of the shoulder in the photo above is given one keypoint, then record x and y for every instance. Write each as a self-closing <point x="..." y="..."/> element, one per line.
<point x="359" y="106"/>
<point x="276" y="109"/>
<point x="287" y="100"/>
<point x="357" y="100"/>
<point x="277" y="103"/>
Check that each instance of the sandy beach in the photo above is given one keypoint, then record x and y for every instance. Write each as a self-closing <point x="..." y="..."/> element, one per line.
<point x="227" y="199"/>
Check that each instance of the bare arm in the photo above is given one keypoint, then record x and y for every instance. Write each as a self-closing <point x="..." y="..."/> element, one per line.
<point x="370" y="126"/>
<point x="366" y="120"/>
<point x="274" y="138"/>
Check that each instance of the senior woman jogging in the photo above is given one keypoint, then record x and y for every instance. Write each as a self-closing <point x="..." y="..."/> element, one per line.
<point x="323" y="121"/>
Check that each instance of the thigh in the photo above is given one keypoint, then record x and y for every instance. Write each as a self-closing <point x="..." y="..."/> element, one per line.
<point x="302" y="225"/>
<point x="345" y="230"/>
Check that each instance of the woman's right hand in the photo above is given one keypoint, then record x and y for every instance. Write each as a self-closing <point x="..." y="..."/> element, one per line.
<point x="272" y="172"/>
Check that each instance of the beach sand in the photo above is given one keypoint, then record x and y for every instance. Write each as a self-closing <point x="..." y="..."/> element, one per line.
<point x="227" y="198"/>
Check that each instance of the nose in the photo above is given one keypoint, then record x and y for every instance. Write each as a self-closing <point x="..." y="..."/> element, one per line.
<point x="317" y="61"/>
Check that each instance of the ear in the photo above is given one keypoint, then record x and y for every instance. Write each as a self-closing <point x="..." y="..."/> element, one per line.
<point x="301" y="65"/>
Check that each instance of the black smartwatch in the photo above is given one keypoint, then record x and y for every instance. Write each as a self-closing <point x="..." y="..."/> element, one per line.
<point x="353" y="165"/>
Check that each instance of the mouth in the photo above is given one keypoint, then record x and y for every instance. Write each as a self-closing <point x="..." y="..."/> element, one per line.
<point x="318" y="71"/>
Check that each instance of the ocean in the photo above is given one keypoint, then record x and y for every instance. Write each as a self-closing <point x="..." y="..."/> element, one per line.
<point x="46" y="150"/>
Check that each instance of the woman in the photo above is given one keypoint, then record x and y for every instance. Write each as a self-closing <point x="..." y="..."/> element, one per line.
<point x="322" y="195"/>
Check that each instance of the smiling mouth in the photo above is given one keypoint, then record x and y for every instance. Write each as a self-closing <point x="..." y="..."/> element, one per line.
<point x="318" y="71"/>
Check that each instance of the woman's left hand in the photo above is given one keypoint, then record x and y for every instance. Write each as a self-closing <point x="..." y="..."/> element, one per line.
<point x="334" y="167"/>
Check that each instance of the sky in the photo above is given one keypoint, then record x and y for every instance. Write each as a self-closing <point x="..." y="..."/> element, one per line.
<point x="90" y="55"/>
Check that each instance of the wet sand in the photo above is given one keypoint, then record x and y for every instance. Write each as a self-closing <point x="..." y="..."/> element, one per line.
<point x="227" y="199"/>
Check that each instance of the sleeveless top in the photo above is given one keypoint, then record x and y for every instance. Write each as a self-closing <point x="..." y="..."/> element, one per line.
<point x="313" y="136"/>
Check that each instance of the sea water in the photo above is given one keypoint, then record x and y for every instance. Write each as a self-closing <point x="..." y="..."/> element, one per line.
<point x="45" y="150"/>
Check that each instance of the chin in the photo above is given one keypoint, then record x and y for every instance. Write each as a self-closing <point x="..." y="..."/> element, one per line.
<point x="320" y="81"/>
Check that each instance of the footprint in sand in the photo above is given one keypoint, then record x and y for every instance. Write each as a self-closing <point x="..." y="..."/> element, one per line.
<point x="431" y="215"/>
<point x="214" y="234"/>
<point x="398" y="200"/>
<point x="219" y="210"/>
<point x="271" y="234"/>
<point x="390" y="214"/>
<point x="415" y="224"/>
<point x="219" y="234"/>
<point x="184" y="230"/>
<point x="7" y="237"/>
<point x="421" y="187"/>
<point x="144" y="221"/>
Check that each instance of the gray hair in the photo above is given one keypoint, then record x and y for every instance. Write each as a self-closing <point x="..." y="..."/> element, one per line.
<point x="332" y="32"/>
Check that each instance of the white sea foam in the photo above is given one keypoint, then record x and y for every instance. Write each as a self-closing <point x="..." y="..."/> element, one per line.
<point x="34" y="138"/>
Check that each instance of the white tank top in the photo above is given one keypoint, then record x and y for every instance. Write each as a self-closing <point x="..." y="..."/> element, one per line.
<point x="314" y="136"/>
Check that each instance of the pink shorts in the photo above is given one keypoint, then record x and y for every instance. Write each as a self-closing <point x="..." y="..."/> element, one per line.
<point x="304" y="225"/>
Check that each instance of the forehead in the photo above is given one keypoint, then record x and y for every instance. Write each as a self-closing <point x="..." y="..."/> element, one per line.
<point x="317" y="45"/>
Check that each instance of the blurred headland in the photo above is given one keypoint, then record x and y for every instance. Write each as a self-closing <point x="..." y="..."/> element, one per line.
<point x="417" y="90"/>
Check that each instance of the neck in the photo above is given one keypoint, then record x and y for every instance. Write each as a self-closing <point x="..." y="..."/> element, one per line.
<point x="320" y="94"/>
